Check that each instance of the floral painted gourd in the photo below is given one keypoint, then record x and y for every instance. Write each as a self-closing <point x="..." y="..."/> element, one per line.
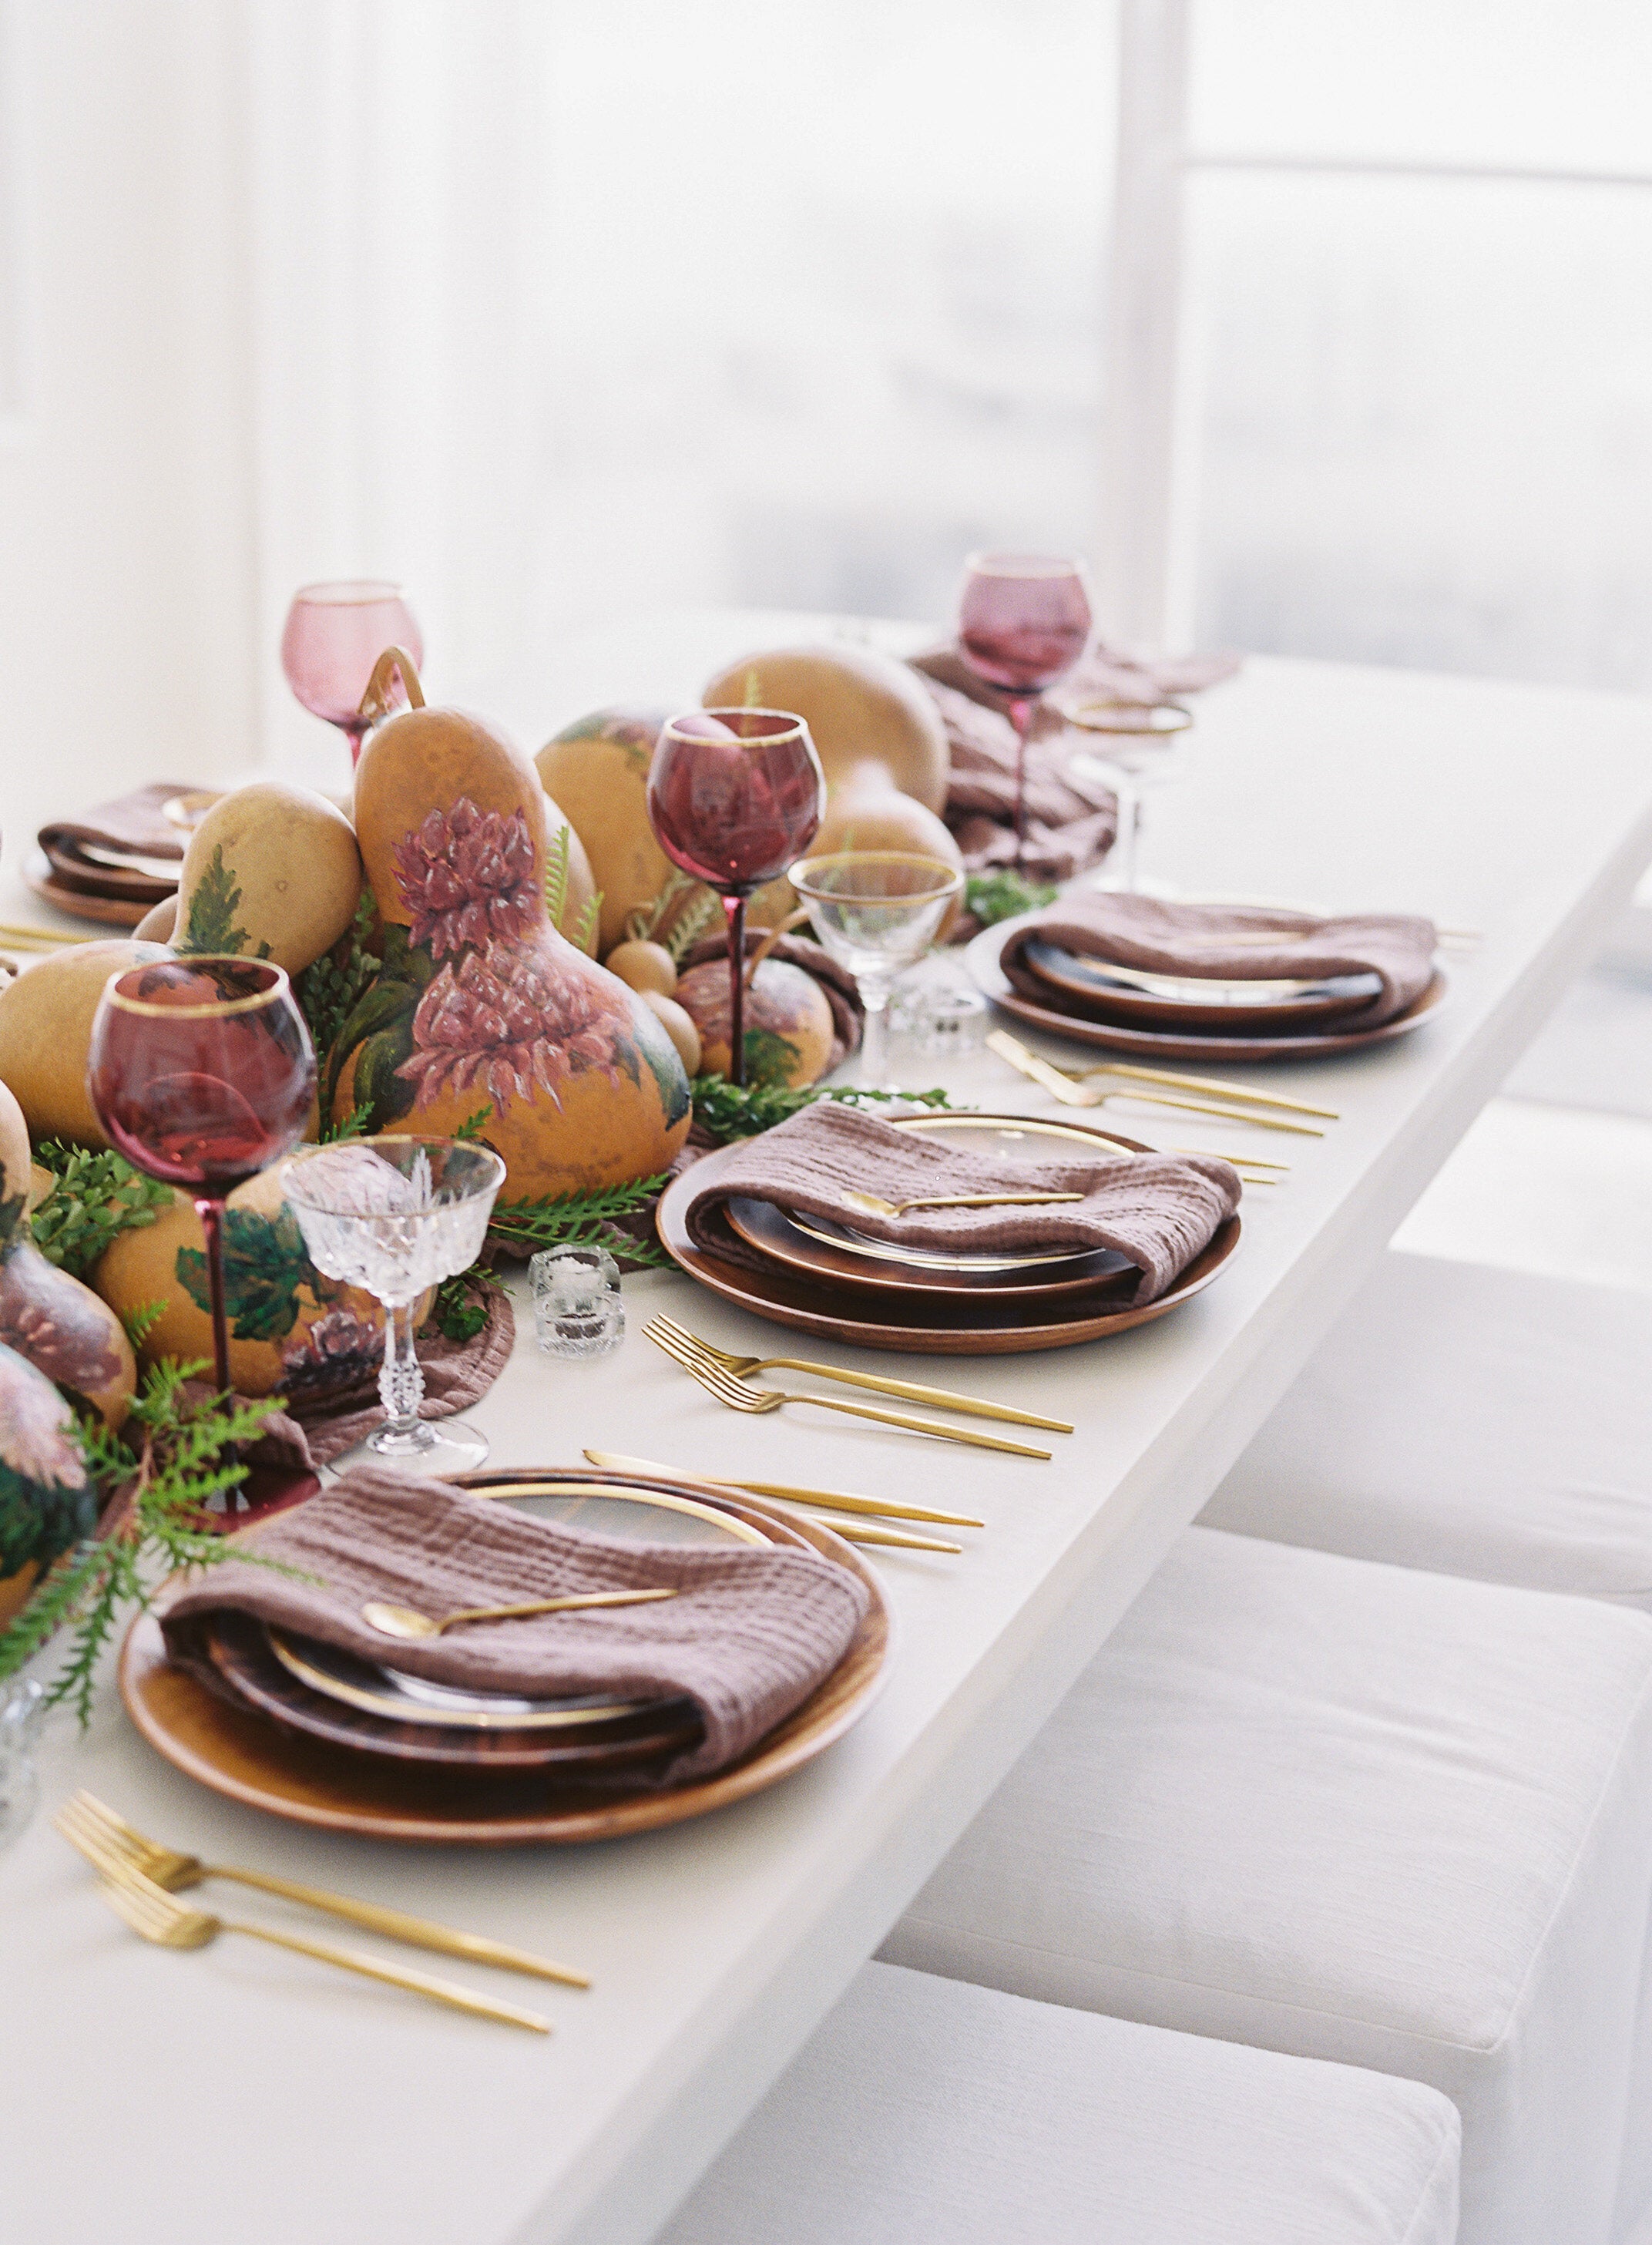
<point x="481" y="1005"/>
<point x="48" y="1501"/>
<point x="291" y="1331"/>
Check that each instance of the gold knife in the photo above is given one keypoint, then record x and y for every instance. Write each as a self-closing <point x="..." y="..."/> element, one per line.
<point x="832" y="1500"/>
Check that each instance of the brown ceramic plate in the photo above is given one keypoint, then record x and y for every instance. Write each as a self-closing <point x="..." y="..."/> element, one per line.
<point x="1065" y="1018"/>
<point x="239" y="1649"/>
<point x="1177" y="1002"/>
<point x="249" y="1758"/>
<point x="918" y="1323"/>
<point x="83" y="904"/>
<point x="838" y="1257"/>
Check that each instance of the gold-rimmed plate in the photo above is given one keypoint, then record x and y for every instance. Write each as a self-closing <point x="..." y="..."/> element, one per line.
<point x="1003" y="1322"/>
<point x="241" y="1754"/>
<point x="1069" y="1017"/>
<point x="603" y="1508"/>
<point x="840" y="1255"/>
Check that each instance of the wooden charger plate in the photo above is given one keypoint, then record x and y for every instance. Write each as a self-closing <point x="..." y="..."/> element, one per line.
<point x="921" y="1323"/>
<point x="1064" y="1018"/>
<point x="249" y="1759"/>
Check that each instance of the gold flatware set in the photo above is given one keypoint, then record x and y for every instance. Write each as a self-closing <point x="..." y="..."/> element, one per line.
<point x="1077" y="1091"/>
<point x="711" y="1371"/>
<point x="141" y="1880"/>
<point x="859" y="1530"/>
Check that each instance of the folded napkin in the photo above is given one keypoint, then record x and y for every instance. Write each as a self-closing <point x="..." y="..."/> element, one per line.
<point x="1071" y="818"/>
<point x="1158" y="1210"/>
<point x="749" y="1636"/>
<point x="131" y="825"/>
<point x="1235" y="943"/>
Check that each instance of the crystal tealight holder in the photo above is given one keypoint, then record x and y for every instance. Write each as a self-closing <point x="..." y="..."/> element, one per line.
<point x="22" y="1708"/>
<point x="577" y="1309"/>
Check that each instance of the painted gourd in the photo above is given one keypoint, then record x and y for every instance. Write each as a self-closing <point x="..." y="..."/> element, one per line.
<point x="789" y="1029"/>
<point x="480" y="1004"/>
<point x="48" y="1501"/>
<point x="45" y="1034"/>
<point x="271" y="871"/>
<point x="62" y="1327"/>
<point x="291" y="1331"/>
<point x="596" y="769"/>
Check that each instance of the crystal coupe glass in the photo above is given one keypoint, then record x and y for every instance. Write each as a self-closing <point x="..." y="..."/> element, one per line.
<point x="876" y="912"/>
<point x="396" y="1216"/>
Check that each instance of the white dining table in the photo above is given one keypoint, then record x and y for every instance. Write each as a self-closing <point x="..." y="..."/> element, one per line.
<point x="241" y="2094"/>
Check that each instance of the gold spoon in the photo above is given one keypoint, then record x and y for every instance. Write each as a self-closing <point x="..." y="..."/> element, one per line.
<point x="870" y="1204"/>
<point x="402" y="1621"/>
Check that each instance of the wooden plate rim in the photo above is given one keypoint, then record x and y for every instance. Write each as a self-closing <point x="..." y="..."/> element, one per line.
<point x="823" y="1718"/>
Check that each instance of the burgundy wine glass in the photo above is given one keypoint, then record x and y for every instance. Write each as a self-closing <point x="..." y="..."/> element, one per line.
<point x="1023" y="622"/>
<point x="334" y="636"/>
<point x="201" y="1073"/>
<point x="733" y="797"/>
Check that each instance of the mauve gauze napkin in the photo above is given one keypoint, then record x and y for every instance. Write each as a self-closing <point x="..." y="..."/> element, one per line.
<point x="750" y="1634"/>
<point x="1159" y="1209"/>
<point x="1222" y="940"/>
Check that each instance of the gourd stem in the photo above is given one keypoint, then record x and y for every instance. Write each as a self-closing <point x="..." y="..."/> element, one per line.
<point x="394" y="662"/>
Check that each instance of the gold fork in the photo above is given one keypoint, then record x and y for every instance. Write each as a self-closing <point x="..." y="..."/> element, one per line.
<point x="1073" y="1093"/>
<point x="85" y="1816"/>
<point x="739" y="1397"/>
<point x="909" y="1391"/>
<point x="832" y="1499"/>
<point x="1041" y="1070"/>
<point x="155" y="1916"/>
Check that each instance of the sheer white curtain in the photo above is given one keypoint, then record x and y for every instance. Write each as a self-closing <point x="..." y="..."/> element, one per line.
<point x="398" y="191"/>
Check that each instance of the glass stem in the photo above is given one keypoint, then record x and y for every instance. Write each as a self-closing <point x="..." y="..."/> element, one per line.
<point x="354" y="734"/>
<point x="1021" y="717"/>
<point x="1129" y="840"/>
<point x="211" y="1212"/>
<point x="874" y="1062"/>
<point x="735" y="907"/>
<point x="400" y="1382"/>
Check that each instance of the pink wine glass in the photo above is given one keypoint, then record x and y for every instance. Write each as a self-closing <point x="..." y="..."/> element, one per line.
<point x="733" y="797"/>
<point x="334" y="636"/>
<point x="1023" y="622"/>
<point x="201" y="1073"/>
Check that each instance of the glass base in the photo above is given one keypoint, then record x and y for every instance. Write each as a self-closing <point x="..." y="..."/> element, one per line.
<point x="438" y="1446"/>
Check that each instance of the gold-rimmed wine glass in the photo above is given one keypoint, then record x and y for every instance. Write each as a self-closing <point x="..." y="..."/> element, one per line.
<point x="876" y="911"/>
<point x="201" y="1073"/>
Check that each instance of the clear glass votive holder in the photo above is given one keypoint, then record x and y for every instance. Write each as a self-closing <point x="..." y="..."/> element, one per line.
<point x="577" y="1309"/>
<point x="23" y="1708"/>
<point x="941" y="1019"/>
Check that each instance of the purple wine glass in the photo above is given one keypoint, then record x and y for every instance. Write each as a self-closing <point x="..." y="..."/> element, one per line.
<point x="201" y="1073"/>
<point x="735" y="796"/>
<point x="334" y="636"/>
<point x="1023" y="622"/>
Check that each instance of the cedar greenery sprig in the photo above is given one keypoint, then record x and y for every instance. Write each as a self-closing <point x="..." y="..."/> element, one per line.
<point x="726" y="1111"/>
<point x="523" y="1227"/>
<point x="329" y="992"/>
<point x="1001" y="895"/>
<point x="96" y="1198"/>
<point x="178" y="1465"/>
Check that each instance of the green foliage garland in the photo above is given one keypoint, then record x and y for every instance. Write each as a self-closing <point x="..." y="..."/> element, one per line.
<point x="1001" y="895"/>
<point x="96" y="1198"/>
<point x="724" y="1111"/>
<point x="180" y="1464"/>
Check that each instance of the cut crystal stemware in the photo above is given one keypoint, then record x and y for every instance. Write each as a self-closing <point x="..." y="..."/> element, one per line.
<point x="396" y="1216"/>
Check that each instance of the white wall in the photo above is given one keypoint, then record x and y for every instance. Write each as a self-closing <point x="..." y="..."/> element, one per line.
<point x="126" y="621"/>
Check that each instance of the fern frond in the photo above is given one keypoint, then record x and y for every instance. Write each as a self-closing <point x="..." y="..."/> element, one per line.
<point x="555" y="874"/>
<point x="588" y="923"/>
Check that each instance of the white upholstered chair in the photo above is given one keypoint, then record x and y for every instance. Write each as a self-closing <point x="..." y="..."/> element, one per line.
<point x="1357" y="1813"/>
<point x="1474" y="1421"/>
<point x="925" y="2112"/>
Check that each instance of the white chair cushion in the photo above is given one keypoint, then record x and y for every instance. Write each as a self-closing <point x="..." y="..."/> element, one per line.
<point x="1353" y="1813"/>
<point x="925" y="2112"/>
<point x="1478" y="1422"/>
